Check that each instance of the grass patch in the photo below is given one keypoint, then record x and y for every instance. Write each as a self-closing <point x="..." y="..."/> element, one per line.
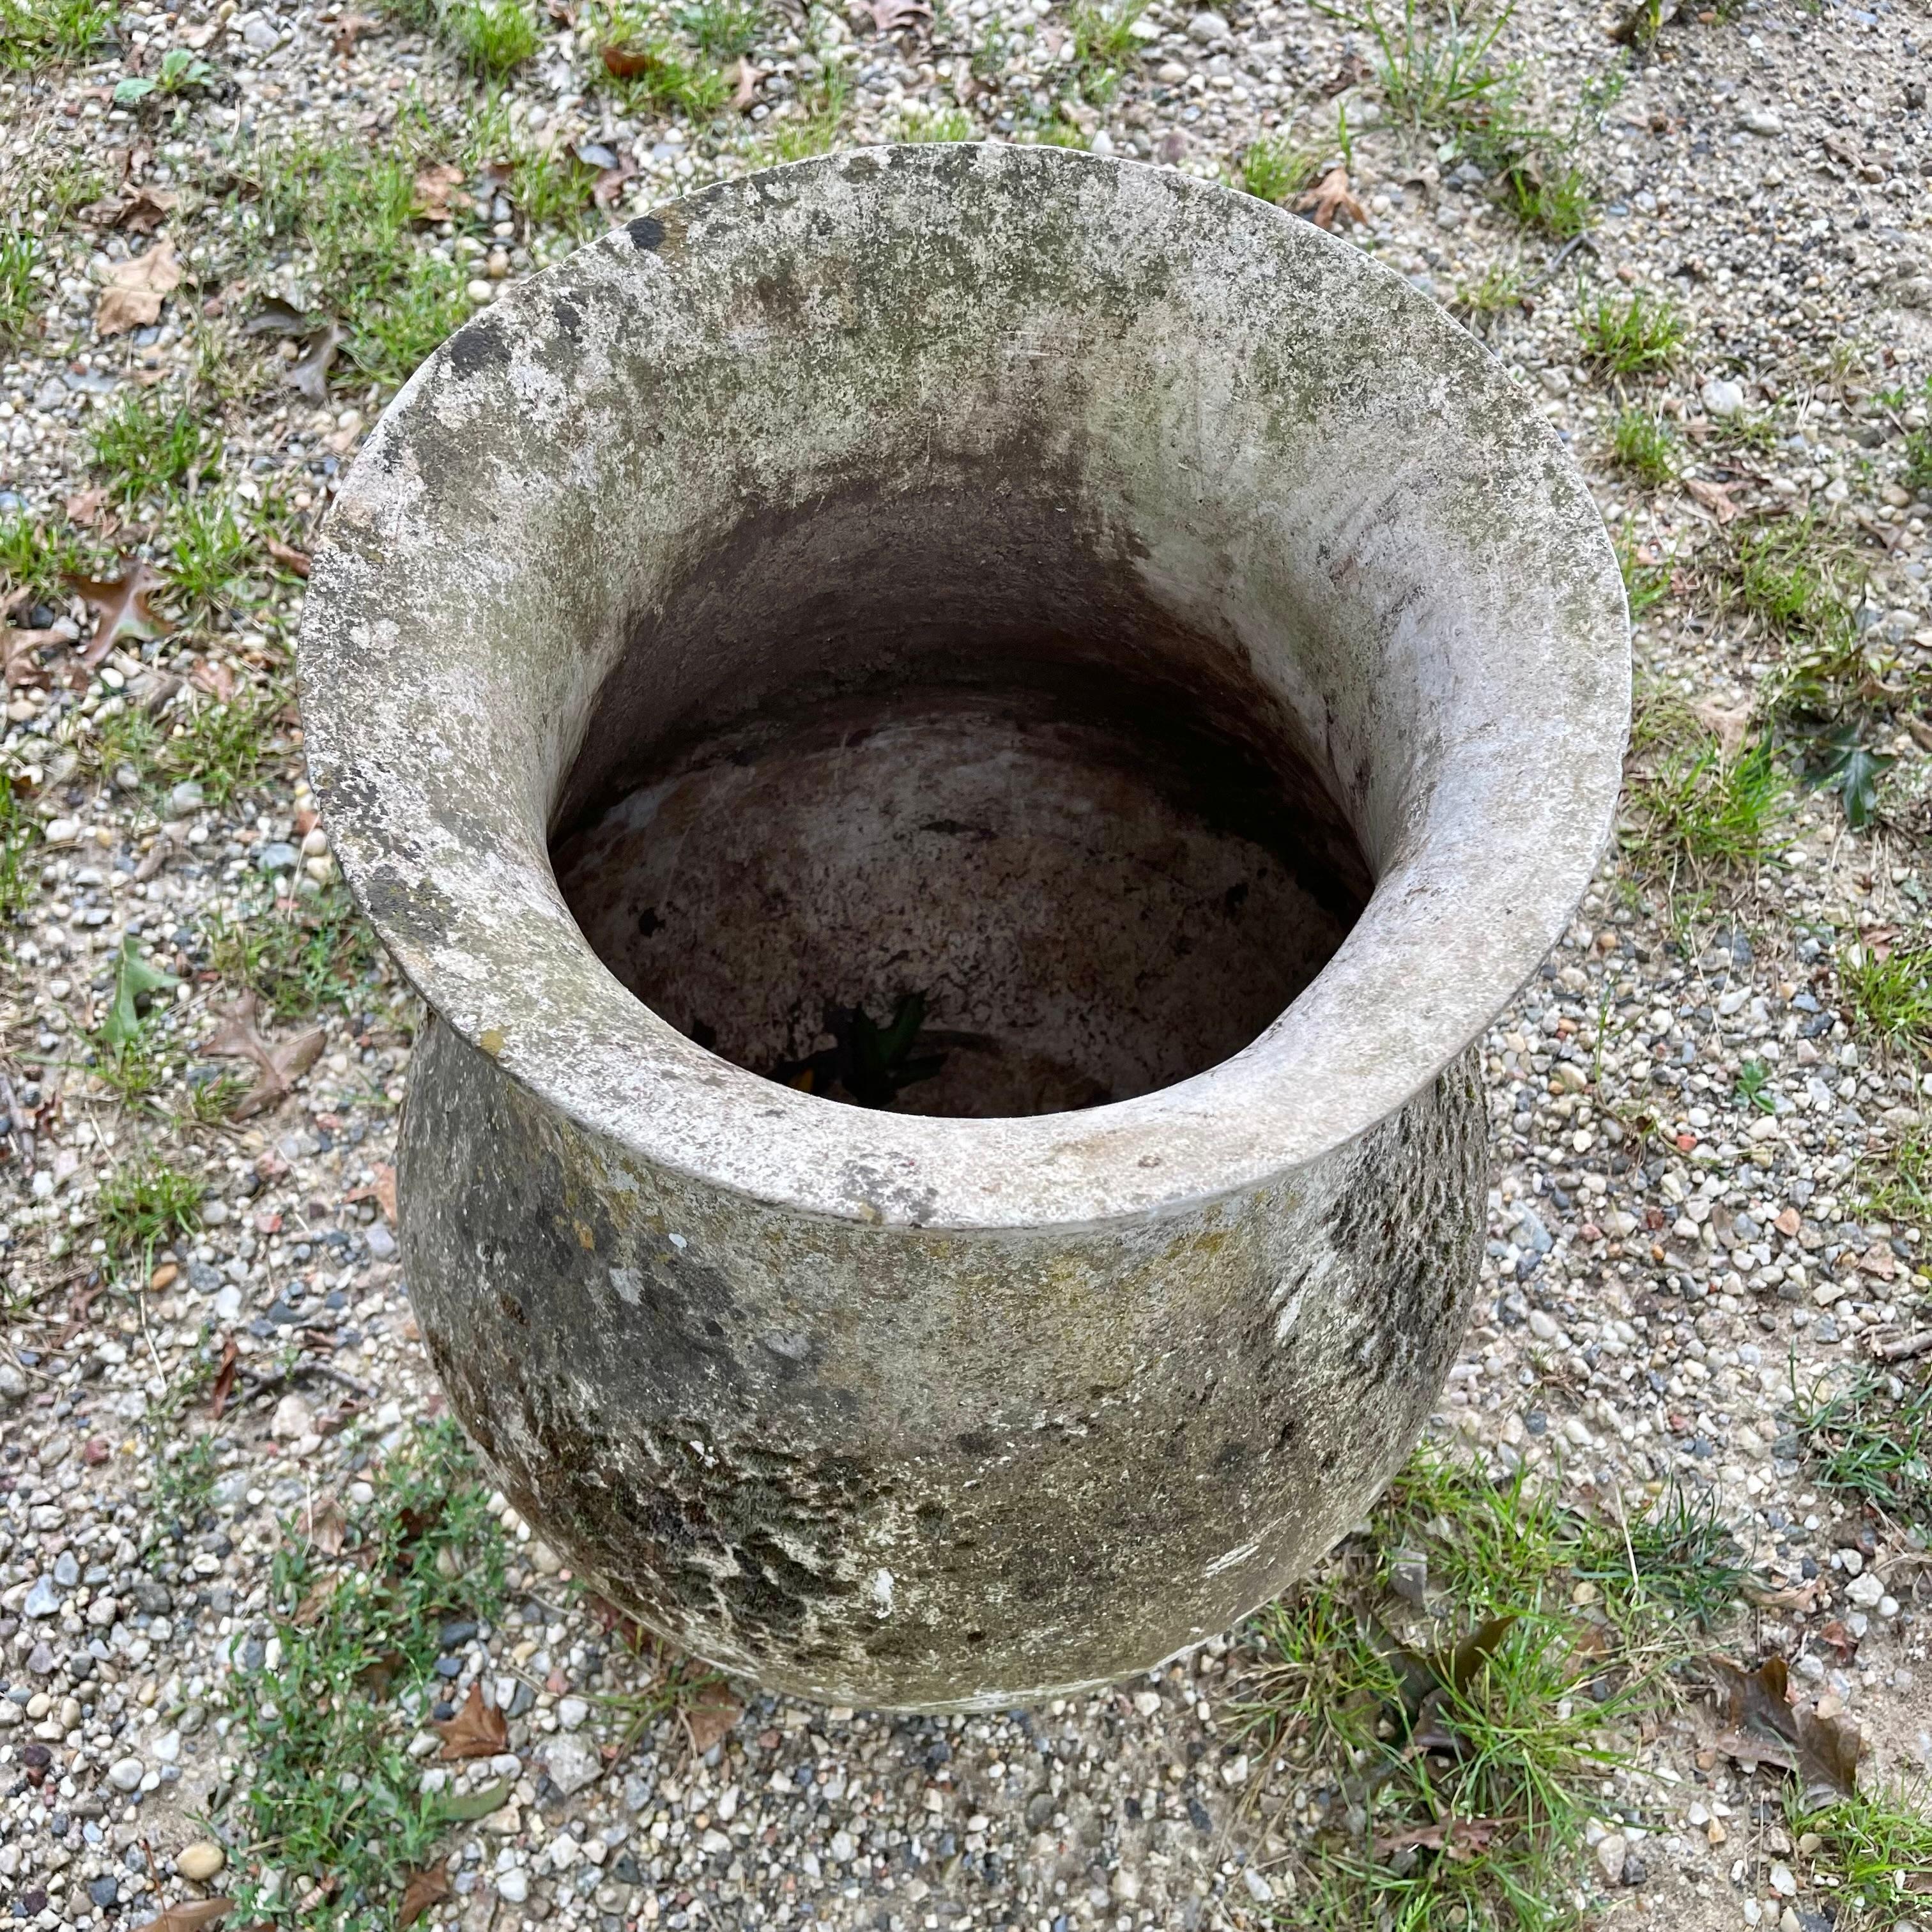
<point x="20" y="256"/>
<point x="1875" y="1850"/>
<point x="356" y="212"/>
<point x="148" y="449"/>
<point x="19" y="834"/>
<point x="1472" y="1669"/>
<point x="47" y="33"/>
<point x="334" y="1799"/>
<point x="1691" y="809"/>
<point x="1104" y="43"/>
<point x="1551" y="193"/>
<point x="1873" y="1440"/>
<point x="647" y="66"/>
<point x="146" y="1203"/>
<point x="1890" y="997"/>
<point x="821" y="122"/>
<point x="313" y="955"/>
<point x="1437" y="73"/>
<point x="937" y="124"/>
<point x="224" y="746"/>
<point x="209" y="551"/>
<point x="1647" y="572"/>
<point x="491" y="37"/>
<point x="1641" y="443"/>
<point x="1634" y="336"/>
<point x="1917" y="474"/>
<point x="1898" y="1186"/>
<point x="35" y="557"/>
<point x="724" y="29"/>
<point x="1274" y="169"/>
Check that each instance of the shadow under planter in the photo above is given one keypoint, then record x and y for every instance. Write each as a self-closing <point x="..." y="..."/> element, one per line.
<point x="960" y="742"/>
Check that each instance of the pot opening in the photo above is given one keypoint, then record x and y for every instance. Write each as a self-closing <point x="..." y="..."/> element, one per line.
<point x="951" y="827"/>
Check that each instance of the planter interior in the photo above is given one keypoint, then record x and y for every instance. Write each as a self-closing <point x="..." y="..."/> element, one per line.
<point x="1008" y="783"/>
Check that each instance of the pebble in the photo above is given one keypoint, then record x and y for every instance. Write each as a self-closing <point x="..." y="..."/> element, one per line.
<point x="125" y="1773"/>
<point x="201" y="1861"/>
<point x="573" y="1763"/>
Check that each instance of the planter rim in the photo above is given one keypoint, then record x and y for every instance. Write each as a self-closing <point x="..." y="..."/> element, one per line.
<point x="1447" y="939"/>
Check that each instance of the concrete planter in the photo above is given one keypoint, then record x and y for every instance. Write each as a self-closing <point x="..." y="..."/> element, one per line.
<point x="1105" y="622"/>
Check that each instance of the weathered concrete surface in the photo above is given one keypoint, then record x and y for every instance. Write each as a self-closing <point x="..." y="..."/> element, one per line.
<point x="897" y="1410"/>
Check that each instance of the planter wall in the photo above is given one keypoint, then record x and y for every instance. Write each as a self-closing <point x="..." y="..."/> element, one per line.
<point x="1096" y="603"/>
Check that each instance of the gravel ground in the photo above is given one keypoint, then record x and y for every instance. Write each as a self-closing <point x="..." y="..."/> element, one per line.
<point x="1689" y="1110"/>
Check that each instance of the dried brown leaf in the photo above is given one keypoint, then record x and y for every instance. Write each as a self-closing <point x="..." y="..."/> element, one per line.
<point x="627" y="63"/>
<point x="439" y="192"/>
<point x="190" y="1914"/>
<point x="288" y="556"/>
<point x="888" y="16"/>
<point x="224" y="1378"/>
<point x="84" y="506"/>
<point x="478" y="1729"/>
<point x="136" y="289"/>
<point x="308" y="376"/>
<point x="425" y="1888"/>
<point x="1715" y="497"/>
<point x="1727" y="726"/>
<point x="19" y="655"/>
<point x="1766" y="1726"/>
<point x="277" y="1066"/>
<point x="329" y="1529"/>
<point x="1460" y="1838"/>
<point x="746" y="92"/>
<point x="710" y="1716"/>
<point x="121" y="607"/>
<point x="350" y="29"/>
<point x="1329" y="197"/>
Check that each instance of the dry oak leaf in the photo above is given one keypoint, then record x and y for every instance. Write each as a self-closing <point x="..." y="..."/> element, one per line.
<point x="439" y="192"/>
<point x="1715" y="497"/>
<point x="136" y="289"/>
<point x="19" y="654"/>
<point x="120" y="606"/>
<point x="190" y="1914"/>
<point x="215" y="678"/>
<point x="328" y="1527"/>
<point x="1329" y="197"/>
<point x="277" y="1067"/>
<point x="478" y="1729"/>
<point x="1767" y="1728"/>
<point x="888" y="16"/>
<point x="350" y="29"/>
<point x="84" y="506"/>
<point x="746" y="91"/>
<point x="425" y="1888"/>
<point x="709" y="1716"/>
<point x="1728" y="727"/>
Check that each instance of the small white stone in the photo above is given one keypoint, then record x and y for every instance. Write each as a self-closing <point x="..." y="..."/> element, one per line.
<point x="1723" y="398"/>
<point x="201" y="1861"/>
<point x="572" y="1712"/>
<point x="292" y="1419"/>
<point x="125" y="1773"/>
<point x="1612" y="1849"/>
<point x="514" y="1885"/>
<point x="1782" y="1882"/>
<point x="1866" y="1592"/>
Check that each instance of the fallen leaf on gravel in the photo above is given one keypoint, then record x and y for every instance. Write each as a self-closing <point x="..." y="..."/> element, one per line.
<point x="19" y="653"/>
<point x="224" y="1378"/>
<point x="288" y="556"/>
<point x="328" y="1527"/>
<point x="1715" y="497"/>
<point x="84" y="505"/>
<point x="349" y="29"/>
<point x="709" y="1716"/>
<point x="121" y="607"/>
<point x="1767" y="1728"/>
<point x="215" y="677"/>
<point x="888" y="16"/>
<point x="309" y="376"/>
<point x="1460" y="1837"/>
<point x="382" y="1190"/>
<point x="141" y="210"/>
<point x="277" y="1067"/>
<point x="746" y="91"/>
<point x="136" y="290"/>
<point x="277" y="317"/>
<point x="1329" y="197"/>
<point x="191" y="1913"/>
<point x="425" y="1888"/>
<point x="1728" y="727"/>
<point x="439" y="192"/>
<point x="477" y="1730"/>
